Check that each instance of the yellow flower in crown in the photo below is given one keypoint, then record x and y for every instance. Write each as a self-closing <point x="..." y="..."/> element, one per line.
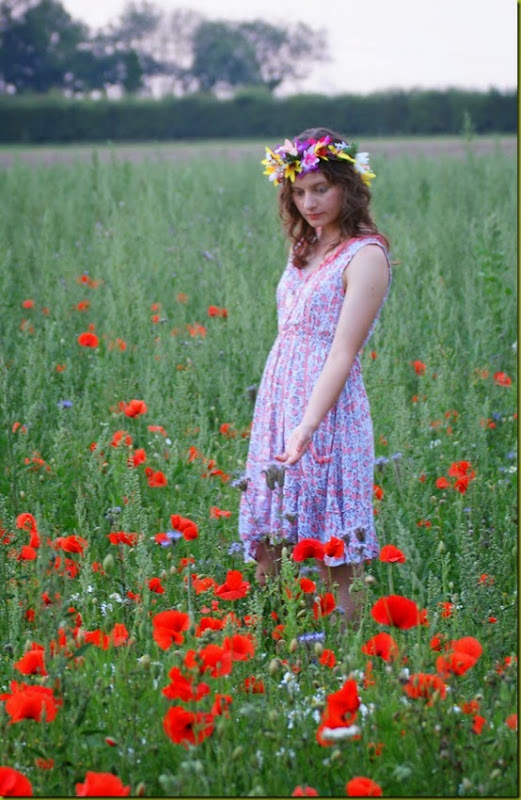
<point x="292" y="170"/>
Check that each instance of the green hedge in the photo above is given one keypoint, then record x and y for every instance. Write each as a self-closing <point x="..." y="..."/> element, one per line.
<point x="45" y="119"/>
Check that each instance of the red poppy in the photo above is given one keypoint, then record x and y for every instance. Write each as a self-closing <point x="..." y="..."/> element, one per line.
<point x="203" y="584"/>
<point x="70" y="544"/>
<point x="382" y="645"/>
<point x="437" y="641"/>
<point x="392" y="555"/>
<point x="168" y="628"/>
<point x="419" y="367"/>
<point x="234" y="586"/>
<point x="328" y="658"/>
<point x="324" y="605"/>
<point x="33" y="662"/>
<point x="334" y="548"/>
<point x="88" y="339"/>
<point x="461" y="656"/>
<point x="119" y="634"/>
<point x="472" y="707"/>
<point x="467" y="644"/>
<point x="460" y="468"/>
<point x="214" y="659"/>
<point x="422" y="684"/>
<point x="156" y="479"/>
<point x="156" y="586"/>
<point x="253" y="685"/>
<point x="97" y="638"/>
<point x="361" y="786"/>
<point x="216" y="513"/>
<point x="185" y="526"/>
<point x="442" y="483"/>
<point x="101" y="784"/>
<point x="120" y="537"/>
<point x="511" y="722"/>
<point x="477" y="723"/>
<point x="182" y="688"/>
<point x="502" y="379"/>
<point x="308" y="586"/>
<point x="27" y="553"/>
<point x="27" y="523"/>
<point x="30" y="702"/>
<point x="186" y="727"/>
<point x="340" y="711"/>
<point x="135" y="408"/>
<point x="241" y="647"/>
<point x="304" y="791"/>
<point x="397" y="611"/>
<point x="378" y="492"/>
<point x="138" y="457"/>
<point x="14" y="784"/>
<point x="308" y="548"/>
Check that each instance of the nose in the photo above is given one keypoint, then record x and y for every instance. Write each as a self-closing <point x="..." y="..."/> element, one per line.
<point x="309" y="202"/>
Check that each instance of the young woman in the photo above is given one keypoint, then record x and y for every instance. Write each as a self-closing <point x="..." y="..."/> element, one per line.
<point x="310" y="463"/>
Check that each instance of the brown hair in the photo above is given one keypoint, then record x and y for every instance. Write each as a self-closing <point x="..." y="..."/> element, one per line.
<point x="355" y="218"/>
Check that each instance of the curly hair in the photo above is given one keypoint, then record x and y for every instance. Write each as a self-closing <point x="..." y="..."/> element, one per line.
<point x="355" y="218"/>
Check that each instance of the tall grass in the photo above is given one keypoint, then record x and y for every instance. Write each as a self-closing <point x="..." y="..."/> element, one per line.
<point x="145" y="249"/>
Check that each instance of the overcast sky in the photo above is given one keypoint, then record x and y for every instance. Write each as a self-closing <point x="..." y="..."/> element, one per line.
<point x="375" y="44"/>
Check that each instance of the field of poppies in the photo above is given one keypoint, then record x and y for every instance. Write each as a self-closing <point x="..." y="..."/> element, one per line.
<point x="137" y="654"/>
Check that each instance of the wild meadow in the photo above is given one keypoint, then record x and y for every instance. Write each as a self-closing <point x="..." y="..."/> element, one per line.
<point x="137" y="654"/>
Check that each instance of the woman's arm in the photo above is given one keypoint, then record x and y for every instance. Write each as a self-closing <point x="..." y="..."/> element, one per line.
<point x="366" y="282"/>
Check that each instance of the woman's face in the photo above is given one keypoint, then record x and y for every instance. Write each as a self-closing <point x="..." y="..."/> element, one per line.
<point x="319" y="201"/>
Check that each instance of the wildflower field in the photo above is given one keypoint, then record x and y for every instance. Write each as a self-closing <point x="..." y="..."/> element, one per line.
<point x="137" y="654"/>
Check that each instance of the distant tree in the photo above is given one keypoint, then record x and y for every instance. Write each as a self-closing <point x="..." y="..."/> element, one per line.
<point x="284" y="54"/>
<point x="42" y="48"/>
<point x="232" y="55"/>
<point x="38" y="44"/>
<point x="223" y="56"/>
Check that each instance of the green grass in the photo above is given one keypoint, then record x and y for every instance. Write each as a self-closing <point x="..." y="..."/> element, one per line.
<point x="208" y="228"/>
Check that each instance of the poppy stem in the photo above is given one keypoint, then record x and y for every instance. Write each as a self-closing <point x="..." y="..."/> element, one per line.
<point x="390" y="576"/>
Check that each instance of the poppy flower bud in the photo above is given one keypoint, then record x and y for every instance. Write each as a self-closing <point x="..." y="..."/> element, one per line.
<point x="140" y="789"/>
<point x="22" y="494"/>
<point x="80" y="637"/>
<point x="237" y="753"/>
<point x="108" y="563"/>
<point x="293" y="646"/>
<point x="369" y="580"/>
<point x="284" y="552"/>
<point x="144" y="662"/>
<point x="319" y="649"/>
<point x="273" y="716"/>
<point x="441" y="547"/>
<point x="335" y="755"/>
<point x="274" y="666"/>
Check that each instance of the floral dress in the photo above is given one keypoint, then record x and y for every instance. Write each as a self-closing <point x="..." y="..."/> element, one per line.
<point x="329" y="491"/>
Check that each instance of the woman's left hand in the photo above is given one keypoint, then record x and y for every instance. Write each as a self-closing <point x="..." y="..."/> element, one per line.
<point x="297" y="444"/>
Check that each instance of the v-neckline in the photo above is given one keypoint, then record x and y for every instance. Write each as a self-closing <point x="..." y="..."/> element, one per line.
<point x="306" y="276"/>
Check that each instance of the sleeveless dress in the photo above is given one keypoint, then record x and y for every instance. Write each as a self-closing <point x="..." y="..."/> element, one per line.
<point x="329" y="491"/>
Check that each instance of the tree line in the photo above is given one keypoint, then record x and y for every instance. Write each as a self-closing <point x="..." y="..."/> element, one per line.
<point x="255" y="114"/>
<point x="147" y="51"/>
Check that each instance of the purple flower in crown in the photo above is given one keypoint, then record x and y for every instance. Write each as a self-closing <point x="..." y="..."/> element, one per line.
<point x="309" y="160"/>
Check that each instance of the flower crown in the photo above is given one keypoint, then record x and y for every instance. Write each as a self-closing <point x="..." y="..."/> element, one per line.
<point x="298" y="158"/>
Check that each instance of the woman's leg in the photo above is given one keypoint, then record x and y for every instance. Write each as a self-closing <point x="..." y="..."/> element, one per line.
<point x="343" y="577"/>
<point x="268" y="561"/>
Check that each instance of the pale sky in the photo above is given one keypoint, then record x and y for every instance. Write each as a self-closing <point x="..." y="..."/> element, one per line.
<point x="375" y="44"/>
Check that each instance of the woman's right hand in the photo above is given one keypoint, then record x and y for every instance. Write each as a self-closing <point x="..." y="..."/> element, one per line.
<point x="297" y="444"/>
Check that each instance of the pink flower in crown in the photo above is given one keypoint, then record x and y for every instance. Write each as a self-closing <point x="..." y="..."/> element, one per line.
<point x="309" y="160"/>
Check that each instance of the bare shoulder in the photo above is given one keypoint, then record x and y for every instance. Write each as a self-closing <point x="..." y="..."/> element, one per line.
<point x="369" y="268"/>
